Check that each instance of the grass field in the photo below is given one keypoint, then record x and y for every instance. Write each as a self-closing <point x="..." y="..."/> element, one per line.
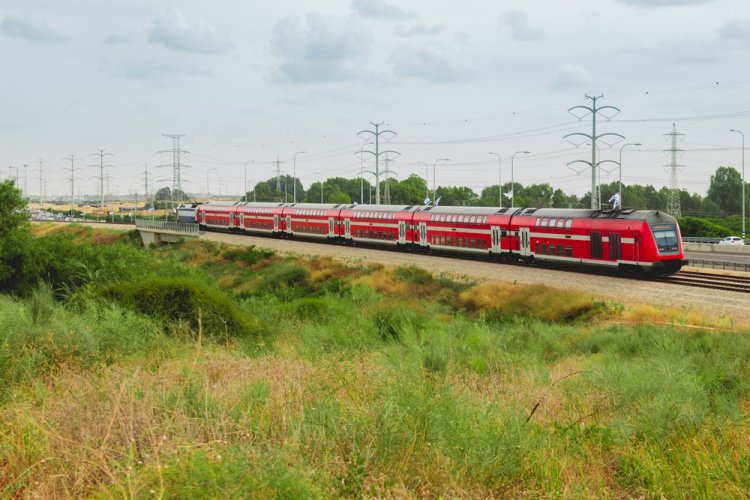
<point x="249" y="374"/>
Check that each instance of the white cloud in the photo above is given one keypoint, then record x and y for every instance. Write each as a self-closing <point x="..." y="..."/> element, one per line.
<point x="570" y="77"/>
<point x="418" y="29"/>
<point x="432" y="63"/>
<point x="117" y="39"/>
<point x="22" y="28"/>
<point x="520" y="29"/>
<point x="173" y="30"/>
<point x="378" y="9"/>
<point x="154" y="71"/>
<point x="735" y="30"/>
<point x="645" y="4"/>
<point x="320" y="49"/>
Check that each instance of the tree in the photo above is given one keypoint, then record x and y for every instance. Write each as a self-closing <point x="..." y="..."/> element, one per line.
<point x="14" y="235"/>
<point x="725" y="189"/>
<point x="163" y="194"/>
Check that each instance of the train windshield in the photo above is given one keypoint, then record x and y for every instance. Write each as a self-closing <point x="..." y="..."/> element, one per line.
<point x="666" y="238"/>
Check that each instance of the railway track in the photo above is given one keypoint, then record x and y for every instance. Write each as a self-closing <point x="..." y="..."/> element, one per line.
<point x="710" y="280"/>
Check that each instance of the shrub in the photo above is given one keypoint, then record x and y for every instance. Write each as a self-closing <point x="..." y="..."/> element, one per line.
<point x="186" y="301"/>
<point x="695" y="227"/>
<point x="249" y="255"/>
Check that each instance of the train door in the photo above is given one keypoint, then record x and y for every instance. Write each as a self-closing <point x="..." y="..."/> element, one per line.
<point x="231" y="219"/>
<point x="496" y="248"/>
<point x="614" y="246"/>
<point x="423" y="234"/>
<point x="288" y="227"/>
<point x="276" y="223"/>
<point x="242" y="221"/>
<point x="348" y="228"/>
<point x="331" y="227"/>
<point x="402" y="232"/>
<point x="524" y="241"/>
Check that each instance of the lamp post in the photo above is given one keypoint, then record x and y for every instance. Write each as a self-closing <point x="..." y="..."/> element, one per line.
<point x="619" y="182"/>
<point x="434" y="196"/>
<point x="208" y="190"/>
<point x="743" y="180"/>
<point x="426" y="178"/>
<point x="244" y="192"/>
<point x="499" y="181"/>
<point x="294" y="173"/>
<point x="512" y="178"/>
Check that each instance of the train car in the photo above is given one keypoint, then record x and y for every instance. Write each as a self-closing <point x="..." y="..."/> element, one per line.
<point x="380" y="224"/>
<point x="646" y="240"/>
<point x="259" y="217"/>
<point x="312" y="219"/>
<point x="464" y="229"/>
<point x="216" y="215"/>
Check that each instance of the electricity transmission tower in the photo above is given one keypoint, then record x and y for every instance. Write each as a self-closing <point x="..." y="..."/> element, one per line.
<point x="596" y="202"/>
<point x="145" y="173"/>
<point x="673" y="199"/>
<point x="101" y="166"/>
<point x="72" y="159"/>
<point x="386" y="183"/>
<point x="278" y="174"/>
<point x="376" y="134"/>
<point x="176" y="164"/>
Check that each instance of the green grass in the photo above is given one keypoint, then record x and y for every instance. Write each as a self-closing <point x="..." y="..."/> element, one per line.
<point x="384" y="382"/>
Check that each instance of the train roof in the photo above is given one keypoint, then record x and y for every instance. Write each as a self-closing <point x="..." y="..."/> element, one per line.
<point x="651" y="216"/>
<point x="469" y="210"/>
<point x="315" y="206"/>
<point x="383" y="208"/>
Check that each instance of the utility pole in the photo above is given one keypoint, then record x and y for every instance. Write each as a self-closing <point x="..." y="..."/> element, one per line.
<point x="145" y="174"/>
<point x="743" y="178"/>
<point x="594" y="164"/>
<point x="41" y="182"/>
<point x="101" y="166"/>
<point x="278" y="174"/>
<point x="673" y="200"/>
<point x="26" y="181"/>
<point x="72" y="159"/>
<point x="386" y="183"/>
<point x="376" y="134"/>
<point x="176" y="165"/>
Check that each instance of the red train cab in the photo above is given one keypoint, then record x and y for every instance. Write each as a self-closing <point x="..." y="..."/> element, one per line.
<point x="312" y="219"/>
<point x="466" y="229"/>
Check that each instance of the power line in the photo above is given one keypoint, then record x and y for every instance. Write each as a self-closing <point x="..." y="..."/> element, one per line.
<point x="376" y="134"/>
<point x="72" y="159"/>
<point x="101" y="154"/>
<point x="176" y="165"/>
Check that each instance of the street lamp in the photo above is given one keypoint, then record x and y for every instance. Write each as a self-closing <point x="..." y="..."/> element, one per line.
<point x="434" y="196"/>
<point x="743" y="180"/>
<point x="294" y="173"/>
<point x="426" y="178"/>
<point x="619" y="182"/>
<point x="208" y="191"/>
<point x="499" y="181"/>
<point x="244" y="193"/>
<point x="512" y="178"/>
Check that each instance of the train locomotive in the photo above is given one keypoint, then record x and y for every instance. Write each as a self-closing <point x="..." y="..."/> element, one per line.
<point x="625" y="240"/>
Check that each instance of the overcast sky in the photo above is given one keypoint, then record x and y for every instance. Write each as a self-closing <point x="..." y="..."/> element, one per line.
<point x="252" y="80"/>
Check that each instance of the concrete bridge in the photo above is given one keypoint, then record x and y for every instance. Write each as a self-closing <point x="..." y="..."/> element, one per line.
<point x="160" y="232"/>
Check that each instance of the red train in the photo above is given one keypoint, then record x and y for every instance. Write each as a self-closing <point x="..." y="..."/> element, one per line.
<point x="643" y="240"/>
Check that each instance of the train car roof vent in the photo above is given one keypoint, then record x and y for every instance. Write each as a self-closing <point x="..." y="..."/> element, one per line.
<point x="409" y="207"/>
<point x="502" y="210"/>
<point x="530" y="210"/>
<point x="428" y="208"/>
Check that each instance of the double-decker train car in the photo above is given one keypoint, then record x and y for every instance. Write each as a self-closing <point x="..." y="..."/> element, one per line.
<point x="646" y="240"/>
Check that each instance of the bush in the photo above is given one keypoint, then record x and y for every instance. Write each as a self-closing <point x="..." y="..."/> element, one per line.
<point x="185" y="301"/>
<point x="249" y="255"/>
<point x="694" y="227"/>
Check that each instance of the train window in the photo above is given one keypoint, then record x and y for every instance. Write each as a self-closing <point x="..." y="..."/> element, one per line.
<point x="545" y="221"/>
<point x="544" y="248"/>
<point x="559" y="249"/>
<point x="473" y="219"/>
<point x="536" y="250"/>
<point x="560" y="222"/>
<point x="568" y="223"/>
<point x="538" y="222"/>
<point x="568" y="251"/>
<point x="552" y="222"/>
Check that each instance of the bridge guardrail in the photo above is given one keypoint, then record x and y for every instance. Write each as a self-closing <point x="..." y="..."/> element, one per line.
<point x="162" y="225"/>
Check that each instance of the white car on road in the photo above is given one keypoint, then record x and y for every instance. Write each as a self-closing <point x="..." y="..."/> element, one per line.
<point x="732" y="240"/>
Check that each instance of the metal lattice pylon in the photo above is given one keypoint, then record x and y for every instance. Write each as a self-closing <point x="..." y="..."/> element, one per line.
<point x="673" y="199"/>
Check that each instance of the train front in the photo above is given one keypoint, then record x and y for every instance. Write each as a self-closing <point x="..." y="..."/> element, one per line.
<point x="667" y="253"/>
